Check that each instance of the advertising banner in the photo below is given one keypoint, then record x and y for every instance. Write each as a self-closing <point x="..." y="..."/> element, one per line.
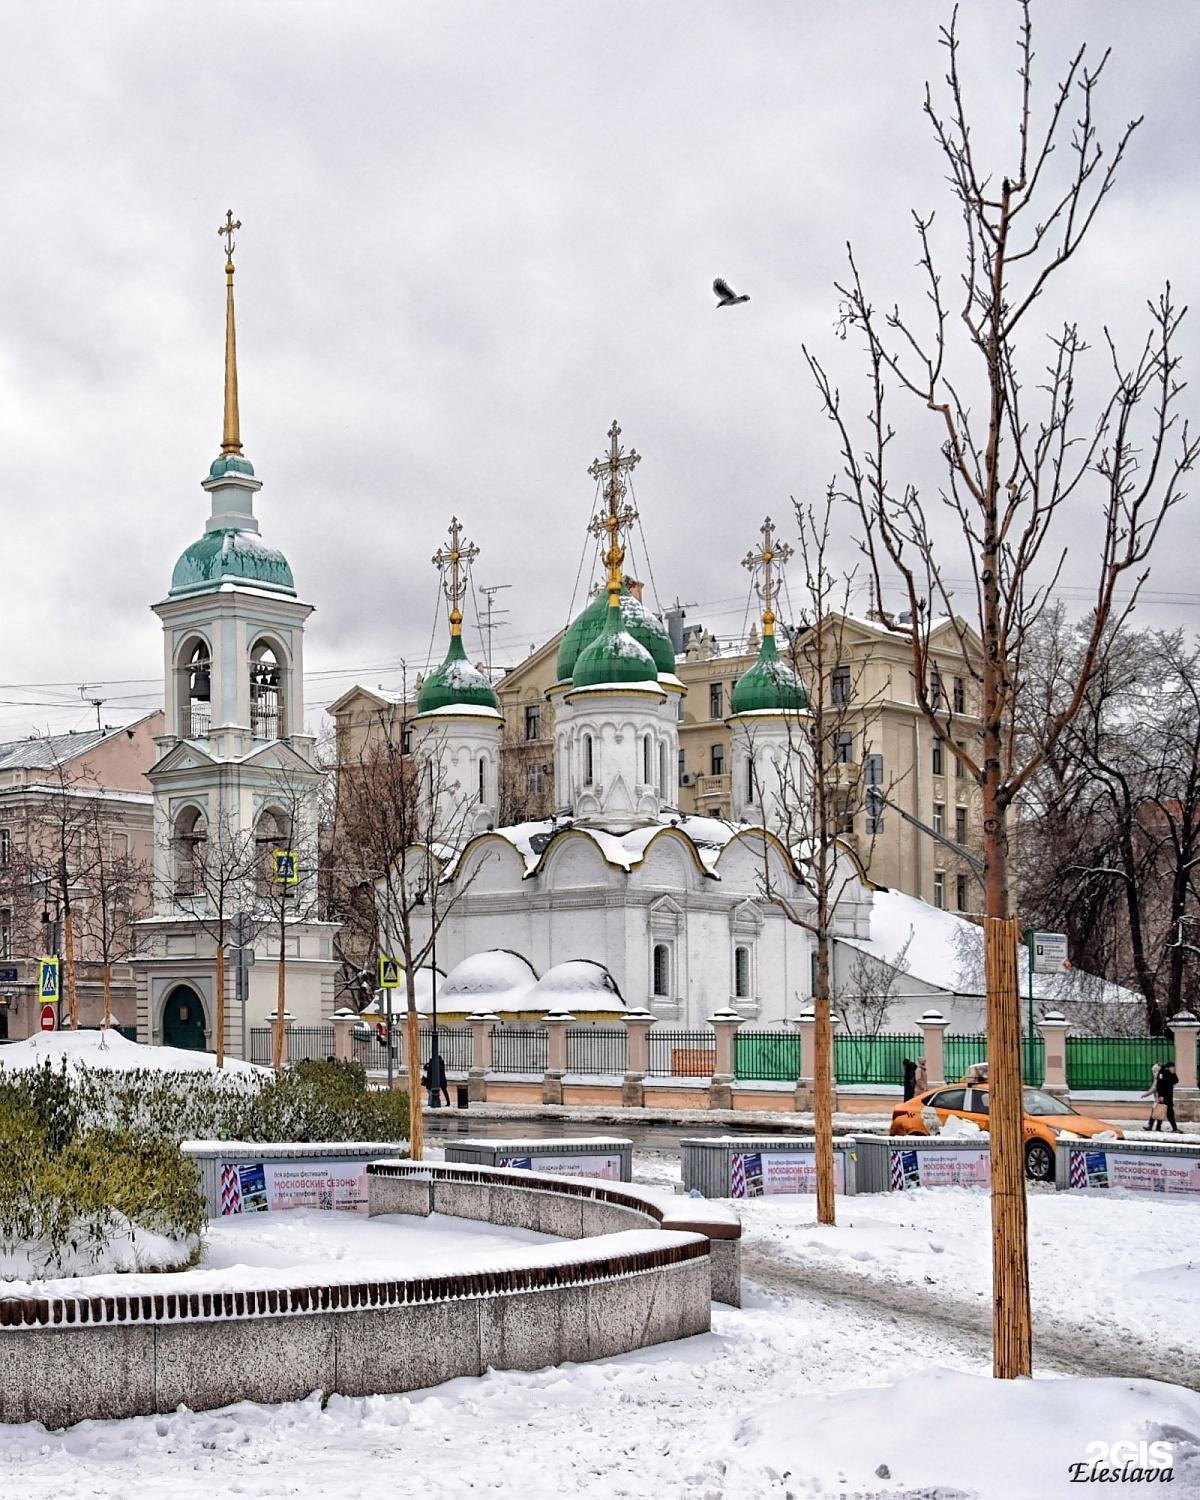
<point x="763" y="1174"/>
<point x="1134" y="1171"/>
<point x="968" y="1168"/>
<point x="606" y="1167"/>
<point x="258" y="1187"/>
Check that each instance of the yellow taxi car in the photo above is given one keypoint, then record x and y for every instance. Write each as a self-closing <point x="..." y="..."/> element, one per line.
<point x="1045" y="1118"/>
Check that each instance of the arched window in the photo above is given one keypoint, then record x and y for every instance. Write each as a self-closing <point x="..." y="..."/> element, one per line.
<point x="662" y="769"/>
<point x="645" y="760"/>
<point x="267" y="718"/>
<point x="741" y="973"/>
<point x="188" y="839"/>
<point x="195" y="691"/>
<point x="588" y="761"/>
<point x="750" y="779"/>
<point x="482" y="779"/>
<point x="660" y="979"/>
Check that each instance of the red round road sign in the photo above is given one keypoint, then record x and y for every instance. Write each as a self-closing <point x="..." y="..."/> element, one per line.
<point x="49" y="1018"/>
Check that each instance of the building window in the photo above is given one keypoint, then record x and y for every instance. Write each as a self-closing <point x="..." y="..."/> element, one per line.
<point x="120" y="846"/>
<point x="533" y="780"/>
<point x="406" y="740"/>
<point x="939" y="817"/>
<point x="939" y="758"/>
<point x="839" y="684"/>
<point x="533" y="721"/>
<point x="716" y="704"/>
<point x="845" y="748"/>
<point x="5" y="847"/>
<point x="935" y="686"/>
<point x="682" y="766"/>
<point x="939" y="889"/>
<point x="589" y="765"/>
<point x="741" y="973"/>
<point x="717" y="760"/>
<point x="960" y="696"/>
<point x="844" y="815"/>
<point x="660" y="979"/>
<point x="960" y="892"/>
<point x="873" y="775"/>
<point x="960" y="825"/>
<point x="267" y="721"/>
<point x="5" y="933"/>
<point x="959" y="769"/>
<point x="196" y="692"/>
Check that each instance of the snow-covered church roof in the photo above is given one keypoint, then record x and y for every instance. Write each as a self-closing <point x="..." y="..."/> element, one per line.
<point x="504" y="982"/>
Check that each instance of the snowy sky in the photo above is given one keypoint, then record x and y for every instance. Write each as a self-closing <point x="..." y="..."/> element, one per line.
<point x="473" y="235"/>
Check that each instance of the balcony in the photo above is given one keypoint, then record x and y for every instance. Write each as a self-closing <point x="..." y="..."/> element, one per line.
<point x="713" y="788"/>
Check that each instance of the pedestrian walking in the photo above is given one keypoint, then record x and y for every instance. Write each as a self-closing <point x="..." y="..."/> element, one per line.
<point x="910" y="1078"/>
<point x="922" y="1076"/>
<point x="1164" y="1108"/>
<point x="1152" y="1094"/>
<point x="435" y="1080"/>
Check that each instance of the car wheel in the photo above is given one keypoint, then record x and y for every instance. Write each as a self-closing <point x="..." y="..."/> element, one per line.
<point x="1039" y="1161"/>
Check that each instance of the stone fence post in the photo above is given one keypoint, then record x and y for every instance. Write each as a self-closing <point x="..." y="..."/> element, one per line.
<point x="556" y="1056"/>
<point x="933" y="1033"/>
<point x="637" y="1058"/>
<point x="481" y="1023"/>
<point x="806" y="1023"/>
<point x="344" y="1021"/>
<point x="1053" y="1028"/>
<point x="720" y="1086"/>
<point x="1184" y="1026"/>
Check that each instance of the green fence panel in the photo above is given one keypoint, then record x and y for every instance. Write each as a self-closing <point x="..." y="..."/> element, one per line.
<point x="874" y="1059"/>
<point x="959" y="1052"/>
<point x="767" y="1056"/>
<point x="1115" y="1062"/>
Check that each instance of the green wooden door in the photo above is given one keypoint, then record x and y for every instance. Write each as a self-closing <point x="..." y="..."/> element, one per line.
<point x="184" y="1020"/>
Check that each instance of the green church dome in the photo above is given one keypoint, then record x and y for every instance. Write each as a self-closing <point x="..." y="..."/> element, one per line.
<point x="645" y="628"/>
<point x="614" y="656"/>
<point x="769" y="686"/>
<point x="456" y="684"/>
<point x="230" y="463"/>
<point x="230" y="555"/>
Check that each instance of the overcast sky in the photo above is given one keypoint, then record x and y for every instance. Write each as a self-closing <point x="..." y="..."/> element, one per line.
<point x="473" y="235"/>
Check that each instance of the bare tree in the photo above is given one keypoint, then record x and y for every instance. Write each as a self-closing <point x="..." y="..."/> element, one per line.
<point x="1017" y="459"/>
<point x="869" y="988"/>
<point x="117" y="888"/>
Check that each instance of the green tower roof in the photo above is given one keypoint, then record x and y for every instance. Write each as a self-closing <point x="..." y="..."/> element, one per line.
<point x="614" y="656"/>
<point x="230" y="555"/>
<point x="456" y="684"/>
<point x="636" y="620"/>
<point x="770" y="685"/>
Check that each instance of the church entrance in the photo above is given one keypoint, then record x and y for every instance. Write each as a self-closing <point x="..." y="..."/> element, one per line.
<point x="183" y="1020"/>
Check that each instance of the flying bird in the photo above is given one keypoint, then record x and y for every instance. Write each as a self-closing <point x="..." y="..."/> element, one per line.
<point x="726" y="296"/>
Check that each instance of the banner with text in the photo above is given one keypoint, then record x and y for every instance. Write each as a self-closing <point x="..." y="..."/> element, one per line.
<point x="764" y="1174"/>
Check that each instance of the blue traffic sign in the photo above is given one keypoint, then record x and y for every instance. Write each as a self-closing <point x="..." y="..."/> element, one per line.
<point x="8" y="976"/>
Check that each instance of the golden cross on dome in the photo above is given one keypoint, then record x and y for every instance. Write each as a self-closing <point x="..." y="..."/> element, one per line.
<point x="226" y="231"/>
<point x="452" y="563"/>
<point x="617" y="517"/>
<point x="770" y="555"/>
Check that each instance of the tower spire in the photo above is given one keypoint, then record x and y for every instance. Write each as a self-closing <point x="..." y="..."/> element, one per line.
<point x="768" y="557"/>
<point x="231" y="438"/>
<point x="617" y="516"/>
<point x="453" y="562"/>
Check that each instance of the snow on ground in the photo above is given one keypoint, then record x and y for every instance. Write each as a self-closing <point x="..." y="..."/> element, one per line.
<point x="127" y="1248"/>
<point x="111" y="1050"/>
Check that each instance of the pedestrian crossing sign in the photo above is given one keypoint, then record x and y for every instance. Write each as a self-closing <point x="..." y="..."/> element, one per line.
<point x="287" y="867"/>
<point x="48" y="980"/>
<point x="389" y="972"/>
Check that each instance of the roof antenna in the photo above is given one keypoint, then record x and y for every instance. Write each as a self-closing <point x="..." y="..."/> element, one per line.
<point x="97" y="704"/>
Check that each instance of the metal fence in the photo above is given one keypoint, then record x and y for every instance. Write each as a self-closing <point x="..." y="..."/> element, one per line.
<point x="1115" y="1062"/>
<point x="454" y="1047"/>
<point x="767" y="1056"/>
<point x="961" y="1051"/>
<point x="874" y="1059"/>
<point x="597" y="1049"/>
<point x="515" y="1050"/>
<point x="682" y="1054"/>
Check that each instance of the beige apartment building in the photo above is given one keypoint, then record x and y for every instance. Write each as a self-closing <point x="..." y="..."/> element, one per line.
<point x="920" y="774"/>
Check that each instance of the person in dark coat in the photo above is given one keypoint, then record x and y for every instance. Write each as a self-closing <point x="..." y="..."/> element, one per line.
<point x="910" y="1078"/>
<point x="1164" y="1093"/>
<point x="435" y="1079"/>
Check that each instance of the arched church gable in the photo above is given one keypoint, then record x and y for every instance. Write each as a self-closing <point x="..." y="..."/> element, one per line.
<point x="668" y="862"/>
<point x="491" y="864"/>
<point x="750" y="860"/>
<point x="574" y="860"/>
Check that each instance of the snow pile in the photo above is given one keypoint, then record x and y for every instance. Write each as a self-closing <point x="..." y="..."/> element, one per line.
<point x="955" y="1127"/>
<point x="945" y="1432"/>
<point x="111" y="1051"/>
<point x="576" y="986"/>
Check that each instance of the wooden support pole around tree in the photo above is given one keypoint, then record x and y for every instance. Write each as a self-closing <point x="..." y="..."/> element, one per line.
<point x="106" y="981"/>
<point x="69" y="957"/>
<point x="823" y="1109"/>
<point x="280" y="997"/>
<point x="416" y="1120"/>
<point x="1011" y="1322"/>
<point x="219" y="1019"/>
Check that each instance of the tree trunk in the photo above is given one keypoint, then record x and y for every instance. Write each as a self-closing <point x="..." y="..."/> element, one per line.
<point x="69" y="961"/>
<point x="219" y="1019"/>
<point x="416" y="1120"/>
<point x="1011" y="1324"/>
<point x="106" y="979"/>
<point x="823" y="1087"/>
<point x="280" y="998"/>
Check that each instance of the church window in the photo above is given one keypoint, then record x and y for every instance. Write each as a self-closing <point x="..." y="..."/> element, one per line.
<point x="267" y="720"/>
<point x="645" y="760"/>
<point x="662" y="770"/>
<point x="661" y="965"/>
<point x="750" y="778"/>
<point x="589" y="765"/>
<point x="717" y="760"/>
<point x="189" y="839"/>
<point x="741" y="972"/>
<point x="482" y="779"/>
<point x="195" y="692"/>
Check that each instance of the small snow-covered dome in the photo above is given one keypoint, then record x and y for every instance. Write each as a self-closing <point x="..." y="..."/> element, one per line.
<point x="581" y="986"/>
<point x="497" y="979"/>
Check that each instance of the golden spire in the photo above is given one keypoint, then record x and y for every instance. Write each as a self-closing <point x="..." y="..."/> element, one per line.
<point x="231" y="440"/>
<point x="453" y="563"/>
<point x="614" y="466"/>
<point x="770" y="555"/>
